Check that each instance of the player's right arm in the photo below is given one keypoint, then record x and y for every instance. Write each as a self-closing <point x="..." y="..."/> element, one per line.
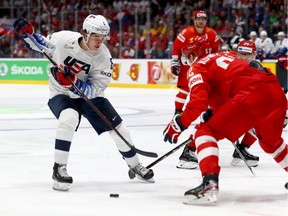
<point x="23" y="27"/>
<point x="199" y="98"/>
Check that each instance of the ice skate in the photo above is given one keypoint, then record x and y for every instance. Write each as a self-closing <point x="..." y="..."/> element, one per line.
<point x="142" y="173"/>
<point x="251" y="159"/>
<point x="62" y="180"/>
<point x="188" y="159"/>
<point x="205" y="193"/>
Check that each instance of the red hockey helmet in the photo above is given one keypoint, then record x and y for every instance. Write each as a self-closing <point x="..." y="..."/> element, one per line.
<point x="246" y="46"/>
<point x="200" y="14"/>
<point x="197" y="46"/>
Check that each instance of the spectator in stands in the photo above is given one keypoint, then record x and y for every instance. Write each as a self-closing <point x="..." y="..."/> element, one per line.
<point x="156" y="51"/>
<point x="115" y="51"/>
<point x="234" y="39"/>
<point x="168" y="51"/>
<point x="70" y="14"/>
<point x="240" y="22"/>
<point x="252" y="25"/>
<point x="129" y="52"/>
<point x="162" y="28"/>
<point x="219" y="28"/>
<point x="150" y="28"/>
<point x="5" y="50"/>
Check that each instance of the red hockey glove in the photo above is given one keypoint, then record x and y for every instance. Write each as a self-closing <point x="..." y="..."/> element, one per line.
<point x="61" y="76"/>
<point x="175" y="64"/>
<point x="23" y="26"/>
<point x="173" y="130"/>
<point x="282" y="62"/>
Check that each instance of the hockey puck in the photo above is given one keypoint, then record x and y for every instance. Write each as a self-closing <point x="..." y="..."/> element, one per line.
<point x="114" y="195"/>
<point x="286" y="185"/>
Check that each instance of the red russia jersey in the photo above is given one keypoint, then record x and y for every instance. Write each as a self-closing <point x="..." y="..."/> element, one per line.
<point x="190" y="32"/>
<point x="214" y="79"/>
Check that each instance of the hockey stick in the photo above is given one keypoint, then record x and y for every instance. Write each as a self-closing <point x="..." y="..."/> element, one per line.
<point x="243" y="158"/>
<point x="132" y="175"/>
<point x="144" y="153"/>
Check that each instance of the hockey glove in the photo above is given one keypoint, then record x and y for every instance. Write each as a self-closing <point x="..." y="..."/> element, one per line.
<point x="206" y="115"/>
<point x="23" y="26"/>
<point x="173" y="130"/>
<point x="61" y="76"/>
<point x="175" y="64"/>
<point x="282" y="62"/>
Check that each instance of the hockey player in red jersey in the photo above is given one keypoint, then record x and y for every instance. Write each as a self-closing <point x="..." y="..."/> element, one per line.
<point x="246" y="50"/>
<point x="178" y="66"/>
<point x="245" y="95"/>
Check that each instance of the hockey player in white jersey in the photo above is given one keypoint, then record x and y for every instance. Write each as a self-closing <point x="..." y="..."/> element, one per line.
<point x="86" y="60"/>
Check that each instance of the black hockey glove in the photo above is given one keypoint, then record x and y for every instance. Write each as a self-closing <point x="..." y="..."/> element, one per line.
<point x="175" y="64"/>
<point x="207" y="115"/>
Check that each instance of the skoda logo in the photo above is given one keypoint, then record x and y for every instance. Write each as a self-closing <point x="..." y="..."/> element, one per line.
<point x="3" y="69"/>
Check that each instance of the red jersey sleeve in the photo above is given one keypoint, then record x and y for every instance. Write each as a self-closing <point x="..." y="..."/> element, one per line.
<point x="180" y="40"/>
<point x="199" y="98"/>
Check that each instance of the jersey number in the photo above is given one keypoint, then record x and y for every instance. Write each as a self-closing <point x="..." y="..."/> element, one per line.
<point x="223" y="62"/>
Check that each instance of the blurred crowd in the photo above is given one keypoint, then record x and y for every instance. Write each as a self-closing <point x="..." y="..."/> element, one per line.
<point x="147" y="29"/>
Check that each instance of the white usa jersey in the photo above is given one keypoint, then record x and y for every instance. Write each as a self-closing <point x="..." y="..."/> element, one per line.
<point x="95" y="66"/>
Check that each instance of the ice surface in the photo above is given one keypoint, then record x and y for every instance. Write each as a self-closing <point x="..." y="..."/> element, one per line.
<point x="27" y="132"/>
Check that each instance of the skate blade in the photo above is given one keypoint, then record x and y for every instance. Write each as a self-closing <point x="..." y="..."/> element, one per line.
<point x="60" y="186"/>
<point x="151" y="180"/>
<point x="208" y="198"/>
<point x="187" y="165"/>
<point x="238" y="161"/>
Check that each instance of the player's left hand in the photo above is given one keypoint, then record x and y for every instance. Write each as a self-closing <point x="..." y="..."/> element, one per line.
<point x="173" y="130"/>
<point x="205" y="116"/>
<point x="62" y="76"/>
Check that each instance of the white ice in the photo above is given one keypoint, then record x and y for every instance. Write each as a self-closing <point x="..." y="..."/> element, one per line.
<point x="27" y="130"/>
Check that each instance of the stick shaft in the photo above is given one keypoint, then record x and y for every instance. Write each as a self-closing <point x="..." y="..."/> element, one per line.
<point x="169" y="153"/>
<point x="243" y="158"/>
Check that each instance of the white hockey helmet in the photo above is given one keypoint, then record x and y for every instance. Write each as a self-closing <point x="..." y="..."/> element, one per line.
<point x="96" y="24"/>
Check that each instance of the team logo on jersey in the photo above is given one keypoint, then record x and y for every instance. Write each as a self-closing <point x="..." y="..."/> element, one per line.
<point x="76" y="66"/>
<point x="194" y="80"/>
<point x="108" y="74"/>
